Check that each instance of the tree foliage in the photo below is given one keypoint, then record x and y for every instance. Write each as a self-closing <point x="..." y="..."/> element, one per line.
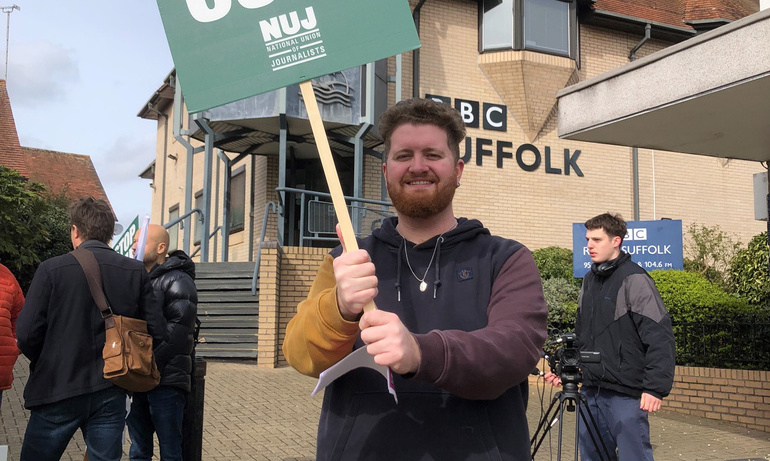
<point x="749" y="272"/>
<point x="555" y="263"/>
<point x="34" y="225"/>
<point x="709" y="252"/>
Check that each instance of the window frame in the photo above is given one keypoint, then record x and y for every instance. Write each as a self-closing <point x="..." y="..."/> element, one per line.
<point x="173" y="231"/>
<point x="241" y="226"/>
<point x="517" y="12"/>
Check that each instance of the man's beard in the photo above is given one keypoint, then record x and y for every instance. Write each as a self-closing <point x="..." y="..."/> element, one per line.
<point x="421" y="204"/>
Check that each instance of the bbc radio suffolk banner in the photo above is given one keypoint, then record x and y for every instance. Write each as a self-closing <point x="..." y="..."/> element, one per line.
<point x="227" y="50"/>
<point x="654" y="245"/>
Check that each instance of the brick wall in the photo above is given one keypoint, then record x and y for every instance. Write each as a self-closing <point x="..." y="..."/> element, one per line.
<point x="737" y="396"/>
<point x="285" y="276"/>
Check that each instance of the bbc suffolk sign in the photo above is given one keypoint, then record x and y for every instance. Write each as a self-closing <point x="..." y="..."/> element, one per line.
<point x="653" y="245"/>
<point x="228" y="50"/>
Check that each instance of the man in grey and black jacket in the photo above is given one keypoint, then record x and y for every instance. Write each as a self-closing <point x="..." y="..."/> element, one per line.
<point x="621" y="316"/>
<point x="161" y="410"/>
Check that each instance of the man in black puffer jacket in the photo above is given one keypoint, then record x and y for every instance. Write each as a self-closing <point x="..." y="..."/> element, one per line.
<point x="161" y="410"/>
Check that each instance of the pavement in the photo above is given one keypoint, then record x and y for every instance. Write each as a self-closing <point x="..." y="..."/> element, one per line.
<point x="265" y="414"/>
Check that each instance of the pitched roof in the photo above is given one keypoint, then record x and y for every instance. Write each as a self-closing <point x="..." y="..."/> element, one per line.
<point x="71" y="174"/>
<point x="10" y="150"/>
<point x="680" y="12"/>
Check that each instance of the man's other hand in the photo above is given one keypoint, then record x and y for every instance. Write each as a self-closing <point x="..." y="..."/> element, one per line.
<point x="552" y="378"/>
<point x="649" y="403"/>
<point x="390" y="342"/>
<point x="356" y="280"/>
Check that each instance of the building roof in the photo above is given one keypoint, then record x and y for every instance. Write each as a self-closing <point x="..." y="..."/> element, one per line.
<point x="680" y="13"/>
<point x="10" y="150"/>
<point x="80" y="180"/>
<point x="71" y="174"/>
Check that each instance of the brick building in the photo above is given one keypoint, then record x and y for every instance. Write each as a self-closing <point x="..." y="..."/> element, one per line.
<point x="501" y="63"/>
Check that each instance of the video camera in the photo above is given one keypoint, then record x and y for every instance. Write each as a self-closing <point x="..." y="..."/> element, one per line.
<point x="567" y="360"/>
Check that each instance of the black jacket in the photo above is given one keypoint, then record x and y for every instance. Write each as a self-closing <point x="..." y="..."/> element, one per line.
<point x="621" y="315"/>
<point x="173" y="282"/>
<point x="61" y="330"/>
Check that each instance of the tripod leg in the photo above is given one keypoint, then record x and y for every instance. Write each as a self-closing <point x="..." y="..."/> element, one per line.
<point x="592" y="429"/>
<point x="545" y="424"/>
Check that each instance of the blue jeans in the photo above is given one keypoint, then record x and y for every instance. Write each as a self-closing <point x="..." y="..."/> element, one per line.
<point x="160" y="410"/>
<point x="623" y="427"/>
<point x="99" y="415"/>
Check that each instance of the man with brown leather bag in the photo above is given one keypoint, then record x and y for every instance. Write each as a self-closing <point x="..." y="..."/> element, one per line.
<point x="62" y="332"/>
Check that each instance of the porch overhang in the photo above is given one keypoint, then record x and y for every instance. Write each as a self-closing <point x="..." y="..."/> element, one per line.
<point x="708" y="95"/>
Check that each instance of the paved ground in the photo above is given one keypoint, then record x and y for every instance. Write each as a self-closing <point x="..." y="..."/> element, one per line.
<point x="264" y="414"/>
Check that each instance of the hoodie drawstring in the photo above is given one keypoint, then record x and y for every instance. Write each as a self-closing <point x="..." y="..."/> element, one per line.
<point x="398" y="271"/>
<point x="437" y="282"/>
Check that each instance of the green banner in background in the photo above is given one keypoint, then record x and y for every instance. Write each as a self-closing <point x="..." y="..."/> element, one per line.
<point x="227" y="50"/>
<point x="126" y="241"/>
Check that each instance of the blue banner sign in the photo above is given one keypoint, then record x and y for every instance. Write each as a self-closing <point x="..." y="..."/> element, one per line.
<point x="654" y="245"/>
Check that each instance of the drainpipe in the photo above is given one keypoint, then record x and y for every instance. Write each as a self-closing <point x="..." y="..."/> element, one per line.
<point x="165" y="158"/>
<point x="647" y="29"/>
<point x="207" y="169"/>
<point x="416" y="52"/>
<point x="179" y="136"/>
<point x="635" y="150"/>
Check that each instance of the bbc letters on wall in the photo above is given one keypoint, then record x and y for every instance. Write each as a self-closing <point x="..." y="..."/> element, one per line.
<point x="528" y="157"/>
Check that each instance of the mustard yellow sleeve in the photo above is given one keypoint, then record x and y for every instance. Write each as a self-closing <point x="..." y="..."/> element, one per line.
<point x="318" y="337"/>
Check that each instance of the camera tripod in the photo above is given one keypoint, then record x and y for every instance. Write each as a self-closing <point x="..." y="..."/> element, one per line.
<point x="571" y="399"/>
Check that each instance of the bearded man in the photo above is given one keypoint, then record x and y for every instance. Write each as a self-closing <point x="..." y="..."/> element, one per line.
<point x="461" y="318"/>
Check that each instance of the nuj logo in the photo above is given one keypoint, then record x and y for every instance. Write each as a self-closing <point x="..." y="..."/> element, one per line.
<point x="201" y="12"/>
<point x="275" y="28"/>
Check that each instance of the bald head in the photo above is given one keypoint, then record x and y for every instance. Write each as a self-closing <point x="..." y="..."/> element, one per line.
<point x="156" y="246"/>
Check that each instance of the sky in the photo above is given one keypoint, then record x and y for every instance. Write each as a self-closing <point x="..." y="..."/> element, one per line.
<point x="78" y="73"/>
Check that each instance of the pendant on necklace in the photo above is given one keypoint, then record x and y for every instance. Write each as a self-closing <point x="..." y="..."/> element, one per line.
<point x="423" y="286"/>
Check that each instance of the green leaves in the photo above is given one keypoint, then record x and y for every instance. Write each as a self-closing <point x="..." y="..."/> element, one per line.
<point x="749" y="272"/>
<point x="34" y="225"/>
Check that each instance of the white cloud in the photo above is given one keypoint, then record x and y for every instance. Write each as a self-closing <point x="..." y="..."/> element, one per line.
<point x="40" y="72"/>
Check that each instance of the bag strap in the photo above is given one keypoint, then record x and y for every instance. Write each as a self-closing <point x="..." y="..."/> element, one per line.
<point x="90" y="266"/>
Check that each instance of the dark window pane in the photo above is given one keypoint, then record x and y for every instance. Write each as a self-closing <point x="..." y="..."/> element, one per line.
<point x="173" y="232"/>
<point x="546" y="26"/>
<point x="497" y="26"/>
<point x="197" y="226"/>
<point x="237" y="201"/>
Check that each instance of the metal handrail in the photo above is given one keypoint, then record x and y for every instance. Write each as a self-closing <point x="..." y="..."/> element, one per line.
<point x="254" y="277"/>
<point x="170" y="224"/>
<point x="216" y="229"/>
<point x="303" y="192"/>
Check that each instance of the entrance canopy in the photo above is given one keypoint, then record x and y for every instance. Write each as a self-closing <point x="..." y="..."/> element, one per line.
<point x="708" y="95"/>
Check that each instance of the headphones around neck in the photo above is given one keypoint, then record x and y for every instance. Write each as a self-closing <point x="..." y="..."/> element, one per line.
<point x="608" y="267"/>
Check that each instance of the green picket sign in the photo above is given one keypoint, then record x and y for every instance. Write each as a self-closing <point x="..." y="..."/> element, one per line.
<point x="227" y="50"/>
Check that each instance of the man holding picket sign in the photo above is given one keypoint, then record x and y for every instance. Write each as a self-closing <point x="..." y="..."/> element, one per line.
<point x="460" y="316"/>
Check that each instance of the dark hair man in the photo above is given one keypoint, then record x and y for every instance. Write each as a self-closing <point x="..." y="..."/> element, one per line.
<point x="621" y="315"/>
<point x="61" y="331"/>
<point x="161" y="410"/>
<point x="461" y="317"/>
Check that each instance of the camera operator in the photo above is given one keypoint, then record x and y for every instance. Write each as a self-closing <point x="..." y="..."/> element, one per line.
<point x="621" y="316"/>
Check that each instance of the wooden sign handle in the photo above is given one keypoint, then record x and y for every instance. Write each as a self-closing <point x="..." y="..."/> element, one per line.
<point x="330" y="171"/>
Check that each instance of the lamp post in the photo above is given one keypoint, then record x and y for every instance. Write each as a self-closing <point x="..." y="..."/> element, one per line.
<point x="8" y="10"/>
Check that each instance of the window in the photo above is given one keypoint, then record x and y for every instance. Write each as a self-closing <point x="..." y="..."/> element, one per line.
<point x="548" y="26"/>
<point x="197" y="225"/>
<point x="237" y="199"/>
<point x="173" y="231"/>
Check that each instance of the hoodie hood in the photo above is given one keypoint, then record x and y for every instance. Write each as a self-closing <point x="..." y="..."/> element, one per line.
<point x="177" y="260"/>
<point x="466" y="229"/>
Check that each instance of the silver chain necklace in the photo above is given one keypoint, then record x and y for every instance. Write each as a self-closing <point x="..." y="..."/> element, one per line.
<point x="423" y="285"/>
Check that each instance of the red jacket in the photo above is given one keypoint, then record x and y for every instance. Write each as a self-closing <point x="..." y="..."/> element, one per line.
<point x="11" y="302"/>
